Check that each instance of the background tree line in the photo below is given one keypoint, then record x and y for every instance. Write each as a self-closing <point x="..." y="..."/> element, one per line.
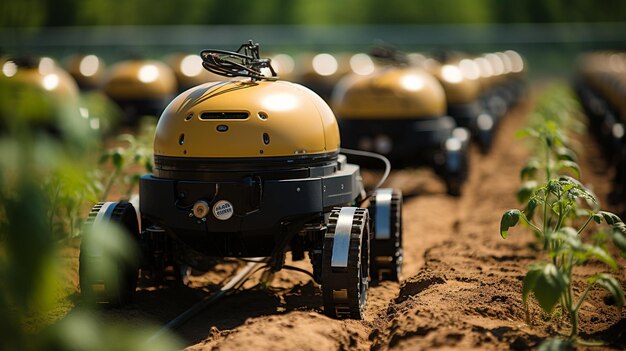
<point x="43" y="13"/>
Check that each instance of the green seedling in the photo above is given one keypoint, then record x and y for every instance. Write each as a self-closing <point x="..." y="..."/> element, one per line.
<point x="559" y="209"/>
<point x="559" y="204"/>
<point x="128" y="162"/>
<point x="552" y="148"/>
<point x="553" y="156"/>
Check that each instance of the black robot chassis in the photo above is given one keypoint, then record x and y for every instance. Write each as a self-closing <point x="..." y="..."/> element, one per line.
<point x="350" y="237"/>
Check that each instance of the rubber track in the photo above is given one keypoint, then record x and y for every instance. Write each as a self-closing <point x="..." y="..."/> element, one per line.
<point x="348" y="278"/>
<point x="391" y="247"/>
<point x="117" y="216"/>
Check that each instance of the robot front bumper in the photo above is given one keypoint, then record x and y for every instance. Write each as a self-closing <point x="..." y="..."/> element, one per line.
<point x="245" y="217"/>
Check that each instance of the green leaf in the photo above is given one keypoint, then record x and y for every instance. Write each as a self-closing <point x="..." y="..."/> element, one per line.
<point x="611" y="285"/>
<point x="530" y="170"/>
<point x="556" y="345"/>
<point x="565" y="179"/>
<point x="597" y="217"/>
<point x="577" y="190"/>
<point x="107" y="246"/>
<point x="530" y="208"/>
<point x="570" y="166"/>
<point x="555" y="206"/>
<point x="552" y="127"/>
<point x="609" y="217"/>
<point x="526" y="191"/>
<point x="554" y="187"/>
<point x="148" y="165"/>
<point x="566" y="236"/>
<point x="619" y="240"/>
<point x="509" y="219"/>
<point x="118" y="159"/>
<point x="549" y="287"/>
<point x="526" y="132"/>
<point x="549" y="139"/>
<point x="620" y="227"/>
<point x="530" y="280"/>
<point x="564" y="153"/>
<point x="600" y="254"/>
<point x="85" y="330"/>
<point x="104" y="157"/>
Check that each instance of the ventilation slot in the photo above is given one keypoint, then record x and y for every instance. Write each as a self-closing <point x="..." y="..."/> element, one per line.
<point x="223" y="115"/>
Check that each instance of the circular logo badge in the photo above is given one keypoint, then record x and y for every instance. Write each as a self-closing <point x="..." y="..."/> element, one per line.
<point x="223" y="210"/>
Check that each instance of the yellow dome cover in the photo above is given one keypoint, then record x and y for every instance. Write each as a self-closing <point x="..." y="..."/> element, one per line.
<point x="246" y="119"/>
<point x="459" y="89"/>
<point x="41" y="84"/>
<point x="394" y="92"/>
<point x="87" y="70"/>
<point x="139" y="79"/>
<point x="43" y="74"/>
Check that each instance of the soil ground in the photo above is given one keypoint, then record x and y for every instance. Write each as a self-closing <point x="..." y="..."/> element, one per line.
<point x="461" y="286"/>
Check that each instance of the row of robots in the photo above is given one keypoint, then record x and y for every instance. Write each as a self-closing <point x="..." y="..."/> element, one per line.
<point x="249" y="164"/>
<point x="601" y="87"/>
<point x="415" y="110"/>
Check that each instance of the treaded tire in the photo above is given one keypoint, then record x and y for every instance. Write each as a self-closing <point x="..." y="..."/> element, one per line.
<point x="344" y="289"/>
<point x="455" y="179"/>
<point x="102" y="288"/>
<point x="386" y="255"/>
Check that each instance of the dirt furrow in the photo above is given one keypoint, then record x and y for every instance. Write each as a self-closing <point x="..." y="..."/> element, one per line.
<point x="461" y="286"/>
<point x="433" y="221"/>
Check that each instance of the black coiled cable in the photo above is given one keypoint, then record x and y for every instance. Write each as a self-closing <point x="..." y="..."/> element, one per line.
<point x="388" y="54"/>
<point x="245" y="62"/>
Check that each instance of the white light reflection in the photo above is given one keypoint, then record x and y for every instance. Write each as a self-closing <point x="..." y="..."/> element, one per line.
<point x="362" y="64"/>
<point x="89" y="65"/>
<point x="412" y="82"/>
<point x="148" y="73"/>
<point x="451" y="74"/>
<point x="280" y="102"/>
<point x="325" y="64"/>
<point x="191" y="65"/>
<point x="50" y="82"/>
<point x="9" y="69"/>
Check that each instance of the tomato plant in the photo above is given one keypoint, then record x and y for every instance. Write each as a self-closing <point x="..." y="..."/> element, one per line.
<point x="558" y="210"/>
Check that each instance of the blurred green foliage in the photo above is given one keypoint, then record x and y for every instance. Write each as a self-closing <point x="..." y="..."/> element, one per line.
<point x="18" y="13"/>
<point x="129" y="161"/>
<point x="48" y="180"/>
<point x="102" y="108"/>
